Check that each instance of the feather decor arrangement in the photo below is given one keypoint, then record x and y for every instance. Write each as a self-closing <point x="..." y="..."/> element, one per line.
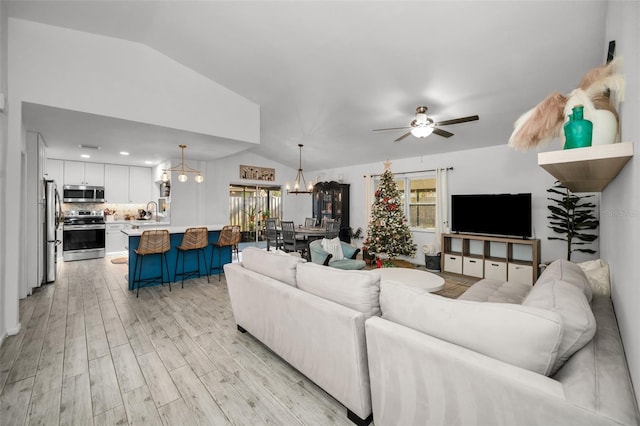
<point x="600" y="92"/>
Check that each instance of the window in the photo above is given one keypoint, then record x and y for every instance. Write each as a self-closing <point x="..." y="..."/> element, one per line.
<point x="420" y="211"/>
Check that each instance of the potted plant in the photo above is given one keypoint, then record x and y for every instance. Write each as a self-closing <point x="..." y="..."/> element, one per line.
<point x="264" y="214"/>
<point x="571" y="216"/>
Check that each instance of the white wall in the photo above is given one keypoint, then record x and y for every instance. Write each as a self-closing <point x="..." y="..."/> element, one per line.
<point x="221" y="173"/>
<point x="497" y="169"/>
<point x="3" y="156"/>
<point x="620" y="208"/>
<point x="118" y="78"/>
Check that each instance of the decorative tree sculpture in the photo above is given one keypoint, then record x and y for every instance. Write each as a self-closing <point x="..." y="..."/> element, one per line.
<point x="388" y="231"/>
<point x="571" y="216"/>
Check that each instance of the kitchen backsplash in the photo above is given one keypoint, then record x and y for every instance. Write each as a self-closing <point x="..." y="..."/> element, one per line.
<point x="118" y="211"/>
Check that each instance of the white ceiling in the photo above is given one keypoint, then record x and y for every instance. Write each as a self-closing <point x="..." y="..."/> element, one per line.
<point x="326" y="73"/>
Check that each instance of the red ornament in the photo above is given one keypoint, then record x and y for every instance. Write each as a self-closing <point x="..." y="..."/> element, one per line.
<point x="378" y="263"/>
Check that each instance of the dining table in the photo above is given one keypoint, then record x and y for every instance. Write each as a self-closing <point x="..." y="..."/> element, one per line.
<point x="311" y="233"/>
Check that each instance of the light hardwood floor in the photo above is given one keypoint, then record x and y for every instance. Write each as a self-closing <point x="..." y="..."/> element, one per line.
<point x="91" y="353"/>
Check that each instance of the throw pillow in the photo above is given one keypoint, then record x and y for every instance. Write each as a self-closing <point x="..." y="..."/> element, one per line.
<point x="597" y="273"/>
<point x="333" y="247"/>
<point x="523" y="336"/>
<point x="571" y="304"/>
<point x="358" y="290"/>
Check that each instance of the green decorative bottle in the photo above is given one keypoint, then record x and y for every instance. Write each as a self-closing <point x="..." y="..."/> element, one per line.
<point x="577" y="131"/>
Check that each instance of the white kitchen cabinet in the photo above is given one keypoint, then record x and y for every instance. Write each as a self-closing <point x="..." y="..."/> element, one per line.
<point x="127" y="184"/>
<point x="55" y="171"/>
<point x="115" y="240"/>
<point x="81" y="173"/>
<point x="116" y="183"/>
<point x="139" y="184"/>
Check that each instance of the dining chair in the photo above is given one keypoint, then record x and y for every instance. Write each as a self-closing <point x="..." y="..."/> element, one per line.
<point x="310" y="222"/>
<point x="332" y="228"/>
<point x="274" y="239"/>
<point x="152" y="242"/>
<point x="289" y="241"/>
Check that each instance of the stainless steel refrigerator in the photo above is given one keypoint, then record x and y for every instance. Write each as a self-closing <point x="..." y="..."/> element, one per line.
<point x="52" y="219"/>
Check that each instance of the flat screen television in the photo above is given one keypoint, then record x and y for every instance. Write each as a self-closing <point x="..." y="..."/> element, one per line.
<point x="492" y="214"/>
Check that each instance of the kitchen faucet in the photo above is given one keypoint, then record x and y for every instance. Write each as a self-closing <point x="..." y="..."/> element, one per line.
<point x="156" y="209"/>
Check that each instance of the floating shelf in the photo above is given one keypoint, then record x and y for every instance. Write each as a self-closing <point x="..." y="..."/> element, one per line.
<point x="587" y="169"/>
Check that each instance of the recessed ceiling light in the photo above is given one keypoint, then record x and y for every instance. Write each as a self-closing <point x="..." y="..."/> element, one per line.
<point x="85" y="156"/>
<point x="148" y="162"/>
<point x="124" y="153"/>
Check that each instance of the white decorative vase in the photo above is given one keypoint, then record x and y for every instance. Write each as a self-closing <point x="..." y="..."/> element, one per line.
<point x="605" y="127"/>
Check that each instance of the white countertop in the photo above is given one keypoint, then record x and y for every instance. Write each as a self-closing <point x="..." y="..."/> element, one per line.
<point x="172" y="229"/>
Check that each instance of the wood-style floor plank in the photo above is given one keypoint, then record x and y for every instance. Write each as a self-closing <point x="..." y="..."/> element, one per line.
<point x="105" y="392"/>
<point x="75" y="404"/>
<point x="196" y="397"/>
<point x="141" y="410"/>
<point x="127" y="369"/>
<point x="90" y="352"/>
<point x="14" y="401"/>
<point x="158" y="379"/>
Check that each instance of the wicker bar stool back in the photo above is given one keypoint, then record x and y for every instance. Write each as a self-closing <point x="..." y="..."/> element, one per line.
<point x="152" y="242"/>
<point x="229" y="237"/>
<point x="194" y="239"/>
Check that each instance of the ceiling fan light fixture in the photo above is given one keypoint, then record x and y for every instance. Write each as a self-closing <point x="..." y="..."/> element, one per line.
<point x="422" y="131"/>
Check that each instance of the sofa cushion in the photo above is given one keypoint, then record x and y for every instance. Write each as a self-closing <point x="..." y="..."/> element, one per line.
<point x="571" y="304"/>
<point x="333" y="247"/>
<point x="498" y="291"/>
<point x="568" y="272"/>
<point x="524" y="336"/>
<point x="359" y="290"/>
<point x="275" y="264"/>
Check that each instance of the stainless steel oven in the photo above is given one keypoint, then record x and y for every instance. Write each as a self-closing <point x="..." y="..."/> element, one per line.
<point x="83" y="235"/>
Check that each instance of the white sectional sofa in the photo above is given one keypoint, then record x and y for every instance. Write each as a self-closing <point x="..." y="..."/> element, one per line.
<point x="312" y="316"/>
<point x="502" y="354"/>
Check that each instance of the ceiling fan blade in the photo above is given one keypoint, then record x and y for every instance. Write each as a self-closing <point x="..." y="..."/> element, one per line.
<point x="402" y="137"/>
<point x="442" y="133"/>
<point x="391" y="128"/>
<point x="457" y="120"/>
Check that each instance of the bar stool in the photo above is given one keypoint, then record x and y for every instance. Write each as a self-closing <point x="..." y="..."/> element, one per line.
<point x="193" y="239"/>
<point x="152" y="242"/>
<point x="229" y="236"/>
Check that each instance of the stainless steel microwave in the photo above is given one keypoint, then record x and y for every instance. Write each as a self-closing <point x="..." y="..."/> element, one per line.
<point x="82" y="194"/>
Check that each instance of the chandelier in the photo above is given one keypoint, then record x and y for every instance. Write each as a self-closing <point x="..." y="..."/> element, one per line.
<point x="300" y="182"/>
<point x="183" y="169"/>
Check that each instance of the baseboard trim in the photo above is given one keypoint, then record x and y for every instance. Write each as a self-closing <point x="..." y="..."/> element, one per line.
<point x="15" y="330"/>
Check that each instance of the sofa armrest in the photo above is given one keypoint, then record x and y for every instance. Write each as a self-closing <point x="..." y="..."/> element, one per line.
<point x="419" y="379"/>
<point x="318" y="254"/>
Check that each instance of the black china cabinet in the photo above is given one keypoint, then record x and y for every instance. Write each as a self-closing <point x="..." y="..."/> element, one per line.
<point x="331" y="201"/>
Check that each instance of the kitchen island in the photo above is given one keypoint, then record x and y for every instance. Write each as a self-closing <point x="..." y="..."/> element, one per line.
<point x="151" y="264"/>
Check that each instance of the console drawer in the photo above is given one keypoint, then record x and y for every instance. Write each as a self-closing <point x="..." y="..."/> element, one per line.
<point x="472" y="267"/>
<point x="495" y="270"/>
<point x="520" y="273"/>
<point x="453" y="263"/>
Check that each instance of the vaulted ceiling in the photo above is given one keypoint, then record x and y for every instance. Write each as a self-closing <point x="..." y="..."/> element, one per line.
<point x="326" y="73"/>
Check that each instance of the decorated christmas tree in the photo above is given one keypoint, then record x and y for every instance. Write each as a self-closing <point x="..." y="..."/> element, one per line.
<point x="388" y="231"/>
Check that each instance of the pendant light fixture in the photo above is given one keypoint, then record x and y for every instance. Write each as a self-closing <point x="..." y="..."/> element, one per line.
<point x="183" y="169"/>
<point x="300" y="184"/>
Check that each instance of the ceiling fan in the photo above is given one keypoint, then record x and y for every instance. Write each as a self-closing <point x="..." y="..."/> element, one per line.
<point x="422" y="126"/>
